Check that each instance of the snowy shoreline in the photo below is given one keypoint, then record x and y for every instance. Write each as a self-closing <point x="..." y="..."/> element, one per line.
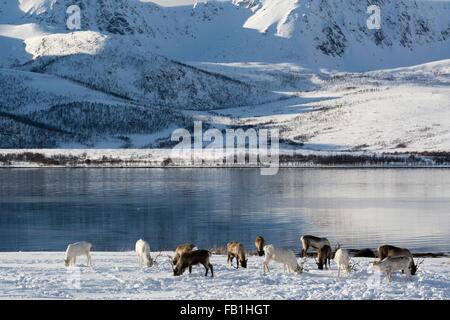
<point x="115" y="275"/>
<point x="164" y="158"/>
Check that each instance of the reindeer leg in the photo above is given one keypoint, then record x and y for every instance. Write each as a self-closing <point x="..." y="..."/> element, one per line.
<point x="212" y="272"/>
<point x="265" y="266"/>
<point x="207" y="269"/>
<point x="339" y="271"/>
<point x="190" y="269"/>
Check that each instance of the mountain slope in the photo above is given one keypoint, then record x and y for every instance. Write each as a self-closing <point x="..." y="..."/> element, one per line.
<point x="107" y="64"/>
<point x="41" y="111"/>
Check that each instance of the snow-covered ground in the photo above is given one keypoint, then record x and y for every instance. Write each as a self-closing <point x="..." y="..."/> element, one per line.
<point x="115" y="275"/>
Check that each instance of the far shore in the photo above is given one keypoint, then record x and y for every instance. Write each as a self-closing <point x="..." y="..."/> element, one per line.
<point x="164" y="158"/>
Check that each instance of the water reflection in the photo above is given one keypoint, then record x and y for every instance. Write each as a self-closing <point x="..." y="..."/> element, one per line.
<point x="44" y="209"/>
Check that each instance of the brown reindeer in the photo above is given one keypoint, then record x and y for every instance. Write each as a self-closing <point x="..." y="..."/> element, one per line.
<point x="192" y="258"/>
<point x="181" y="249"/>
<point x="236" y="250"/>
<point x="386" y="251"/>
<point x="259" y="244"/>
<point x="323" y="257"/>
<point x="314" y="242"/>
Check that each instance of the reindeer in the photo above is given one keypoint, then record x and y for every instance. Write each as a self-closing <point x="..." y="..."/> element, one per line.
<point x="342" y="259"/>
<point x="192" y="258"/>
<point x="386" y="251"/>
<point x="323" y="257"/>
<point x="75" y="250"/>
<point x="286" y="257"/>
<point x="236" y="250"/>
<point x="142" y="249"/>
<point x="392" y="264"/>
<point x="259" y="244"/>
<point x="314" y="242"/>
<point x="180" y="250"/>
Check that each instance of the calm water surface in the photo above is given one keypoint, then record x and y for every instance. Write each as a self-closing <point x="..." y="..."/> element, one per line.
<point x="44" y="209"/>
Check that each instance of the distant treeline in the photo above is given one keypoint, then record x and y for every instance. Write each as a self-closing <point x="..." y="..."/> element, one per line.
<point x="11" y="159"/>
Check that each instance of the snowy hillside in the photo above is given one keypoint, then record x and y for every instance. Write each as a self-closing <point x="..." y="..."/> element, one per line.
<point x="240" y="62"/>
<point x="392" y="110"/>
<point x="109" y="66"/>
<point x="42" y="111"/>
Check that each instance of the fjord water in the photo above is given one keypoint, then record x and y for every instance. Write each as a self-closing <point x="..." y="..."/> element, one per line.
<point x="45" y="209"/>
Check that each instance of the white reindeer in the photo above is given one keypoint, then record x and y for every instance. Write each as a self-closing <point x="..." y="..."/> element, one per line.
<point x="75" y="250"/>
<point x="342" y="259"/>
<point x="392" y="264"/>
<point x="286" y="257"/>
<point x="143" y="253"/>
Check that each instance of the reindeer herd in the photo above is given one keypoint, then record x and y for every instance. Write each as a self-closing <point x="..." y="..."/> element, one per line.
<point x="391" y="258"/>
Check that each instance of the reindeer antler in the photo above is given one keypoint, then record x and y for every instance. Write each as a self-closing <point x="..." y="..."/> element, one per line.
<point x="353" y="266"/>
<point x="170" y="261"/>
<point x="419" y="262"/>
<point x="156" y="258"/>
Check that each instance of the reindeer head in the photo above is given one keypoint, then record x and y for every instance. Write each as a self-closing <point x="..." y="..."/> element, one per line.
<point x="376" y="264"/>
<point x="319" y="263"/>
<point x="66" y="262"/>
<point x="149" y="262"/>
<point x="413" y="268"/>
<point x="300" y="267"/>
<point x="177" y="271"/>
<point x="244" y="263"/>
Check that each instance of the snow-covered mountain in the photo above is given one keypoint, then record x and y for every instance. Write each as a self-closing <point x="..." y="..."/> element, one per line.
<point x="320" y="33"/>
<point x="143" y="60"/>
